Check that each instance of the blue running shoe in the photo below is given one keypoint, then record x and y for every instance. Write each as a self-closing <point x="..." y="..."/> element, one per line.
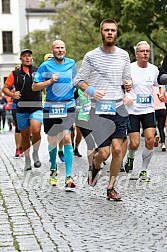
<point x="61" y="156"/>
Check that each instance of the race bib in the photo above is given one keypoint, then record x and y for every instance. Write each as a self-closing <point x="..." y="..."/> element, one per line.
<point x="105" y="107"/>
<point x="1" y="107"/>
<point x="58" y="110"/>
<point x="143" y="99"/>
<point x="86" y="108"/>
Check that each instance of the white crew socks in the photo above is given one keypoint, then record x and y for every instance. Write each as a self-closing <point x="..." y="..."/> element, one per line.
<point x="146" y="156"/>
<point x="131" y="153"/>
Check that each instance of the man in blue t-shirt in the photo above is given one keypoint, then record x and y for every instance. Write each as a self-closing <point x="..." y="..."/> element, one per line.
<point x="56" y="75"/>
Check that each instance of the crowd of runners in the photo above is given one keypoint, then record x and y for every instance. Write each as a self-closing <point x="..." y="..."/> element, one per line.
<point x="109" y="102"/>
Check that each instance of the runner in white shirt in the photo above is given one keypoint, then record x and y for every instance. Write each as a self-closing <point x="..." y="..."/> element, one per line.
<point x="140" y="106"/>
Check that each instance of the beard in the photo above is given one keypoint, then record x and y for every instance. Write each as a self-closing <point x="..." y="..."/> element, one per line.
<point x="109" y="43"/>
<point x="60" y="58"/>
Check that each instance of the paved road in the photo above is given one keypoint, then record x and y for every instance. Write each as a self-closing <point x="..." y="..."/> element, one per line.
<point x="37" y="217"/>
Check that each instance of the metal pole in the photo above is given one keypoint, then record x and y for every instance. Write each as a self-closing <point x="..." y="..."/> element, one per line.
<point x="152" y="53"/>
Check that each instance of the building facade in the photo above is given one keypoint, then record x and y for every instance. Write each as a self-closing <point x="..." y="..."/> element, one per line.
<point x="17" y="19"/>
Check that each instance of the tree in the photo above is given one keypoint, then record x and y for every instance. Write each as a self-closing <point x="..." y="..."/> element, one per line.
<point x="74" y="25"/>
<point x="77" y="23"/>
<point x="39" y="42"/>
<point x="147" y="18"/>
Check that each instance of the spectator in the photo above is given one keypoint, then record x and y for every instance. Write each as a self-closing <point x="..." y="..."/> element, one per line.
<point x="3" y="103"/>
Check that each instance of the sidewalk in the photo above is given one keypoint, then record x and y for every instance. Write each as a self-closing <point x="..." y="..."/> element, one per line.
<point x="37" y="217"/>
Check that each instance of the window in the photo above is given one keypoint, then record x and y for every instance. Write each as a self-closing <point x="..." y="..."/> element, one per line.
<point x="7" y="42"/>
<point x="5" y="6"/>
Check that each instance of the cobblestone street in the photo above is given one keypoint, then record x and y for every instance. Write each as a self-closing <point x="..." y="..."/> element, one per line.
<point x="37" y="217"/>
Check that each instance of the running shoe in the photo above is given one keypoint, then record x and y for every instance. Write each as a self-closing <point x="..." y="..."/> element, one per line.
<point x="21" y="152"/>
<point x="93" y="175"/>
<point x="27" y="166"/>
<point x="142" y="134"/>
<point x="163" y="147"/>
<point x="61" y="156"/>
<point x="17" y="154"/>
<point x="10" y="127"/>
<point x="113" y="194"/>
<point x="37" y="164"/>
<point x="129" y="164"/>
<point x="76" y="153"/>
<point x="143" y="177"/>
<point x="69" y="182"/>
<point x="156" y="140"/>
<point x="35" y="156"/>
<point x="53" y="179"/>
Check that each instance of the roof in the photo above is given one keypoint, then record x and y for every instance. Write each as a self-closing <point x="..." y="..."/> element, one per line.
<point x="34" y="5"/>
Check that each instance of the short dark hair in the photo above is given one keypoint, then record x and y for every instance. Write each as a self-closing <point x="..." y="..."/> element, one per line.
<point x="108" y="21"/>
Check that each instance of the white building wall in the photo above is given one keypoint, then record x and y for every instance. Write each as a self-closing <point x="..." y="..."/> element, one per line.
<point x="40" y="22"/>
<point x="11" y="22"/>
<point x="20" y="23"/>
<point x="22" y="19"/>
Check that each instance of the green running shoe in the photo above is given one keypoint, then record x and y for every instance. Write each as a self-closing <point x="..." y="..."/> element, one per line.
<point x="61" y="156"/>
<point x="53" y="179"/>
<point x="129" y="165"/>
<point x="143" y="177"/>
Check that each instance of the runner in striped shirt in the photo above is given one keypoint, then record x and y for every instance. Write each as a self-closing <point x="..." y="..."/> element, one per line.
<point x="103" y="73"/>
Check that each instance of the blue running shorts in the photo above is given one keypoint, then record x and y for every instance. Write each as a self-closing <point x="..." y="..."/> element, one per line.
<point x="23" y="119"/>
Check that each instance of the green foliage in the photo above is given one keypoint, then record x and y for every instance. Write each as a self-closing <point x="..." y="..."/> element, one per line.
<point x="42" y="4"/>
<point x="128" y="41"/>
<point x="147" y="18"/>
<point x="39" y="42"/>
<point x="74" y="25"/>
<point x="77" y="24"/>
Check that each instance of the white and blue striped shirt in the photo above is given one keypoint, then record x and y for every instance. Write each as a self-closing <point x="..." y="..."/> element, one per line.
<point x="105" y="71"/>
